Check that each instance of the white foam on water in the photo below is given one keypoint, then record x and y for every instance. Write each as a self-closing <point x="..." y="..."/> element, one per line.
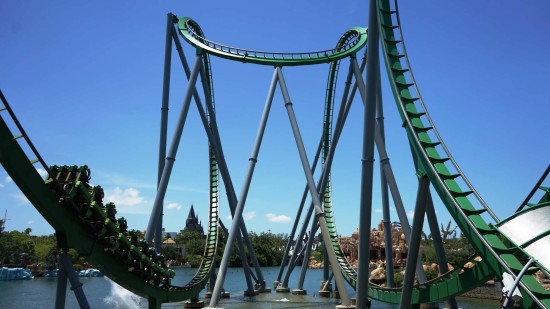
<point x="120" y="298"/>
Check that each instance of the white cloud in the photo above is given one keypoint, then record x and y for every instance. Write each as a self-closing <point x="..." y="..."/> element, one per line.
<point x="249" y="215"/>
<point x="378" y="210"/>
<point x="410" y="214"/>
<point x="277" y="218"/>
<point x="30" y="222"/>
<point x="246" y="216"/>
<point x="1" y="185"/>
<point x="8" y="179"/>
<point x="128" y="197"/>
<point x="175" y="206"/>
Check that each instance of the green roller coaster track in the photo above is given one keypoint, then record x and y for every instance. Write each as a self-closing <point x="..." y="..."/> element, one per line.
<point x="75" y="209"/>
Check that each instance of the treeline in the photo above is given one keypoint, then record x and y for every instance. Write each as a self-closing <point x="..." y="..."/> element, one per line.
<point x="22" y="248"/>
<point x="268" y="247"/>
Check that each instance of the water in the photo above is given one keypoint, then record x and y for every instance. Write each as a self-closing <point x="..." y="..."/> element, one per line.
<point x="102" y="293"/>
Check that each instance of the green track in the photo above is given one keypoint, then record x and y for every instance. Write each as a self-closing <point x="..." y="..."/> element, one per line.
<point x="433" y="159"/>
<point x="451" y="284"/>
<point x="354" y="38"/>
<point x="68" y="203"/>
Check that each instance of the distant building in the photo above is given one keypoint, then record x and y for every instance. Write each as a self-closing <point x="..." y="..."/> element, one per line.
<point x="168" y="234"/>
<point x="192" y="223"/>
<point x="180" y="248"/>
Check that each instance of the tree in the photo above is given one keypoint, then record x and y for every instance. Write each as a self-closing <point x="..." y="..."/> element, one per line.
<point x="45" y="248"/>
<point x="28" y="231"/>
<point x="14" y="243"/>
<point x="269" y="247"/>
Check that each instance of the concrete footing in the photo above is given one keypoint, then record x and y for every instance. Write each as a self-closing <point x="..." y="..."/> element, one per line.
<point x="325" y="291"/>
<point x="222" y="295"/>
<point x="263" y="290"/>
<point x="299" y="292"/>
<point x="193" y="304"/>
<point x="325" y="294"/>
<point x="250" y="293"/>
<point x="345" y="306"/>
<point x="282" y="289"/>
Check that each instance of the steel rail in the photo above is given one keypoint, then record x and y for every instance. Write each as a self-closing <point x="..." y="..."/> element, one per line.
<point x="355" y="40"/>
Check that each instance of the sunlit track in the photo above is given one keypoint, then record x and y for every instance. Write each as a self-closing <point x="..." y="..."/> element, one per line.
<point x="446" y="178"/>
<point x="354" y="40"/>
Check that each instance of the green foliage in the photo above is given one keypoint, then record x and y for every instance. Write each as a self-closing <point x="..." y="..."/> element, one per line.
<point x="12" y="244"/>
<point x="269" y="248"/>
<point x="194" y="242"/>
<point x="170" y="253"/>
<point x="317" y="254"/>
<point x="194" y="260"/>
<point x="398" y="278"/>
<point x="457" y="251"/>
<point x="45" y="248"/>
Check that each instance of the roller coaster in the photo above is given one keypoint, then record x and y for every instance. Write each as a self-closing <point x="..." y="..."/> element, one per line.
<point x="516" y="246"/>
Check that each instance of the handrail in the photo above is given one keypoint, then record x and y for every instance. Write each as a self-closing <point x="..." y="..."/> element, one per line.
<point x="355" y="40"/>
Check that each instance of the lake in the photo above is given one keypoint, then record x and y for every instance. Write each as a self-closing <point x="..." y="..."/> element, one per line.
<point x="104" y="294"/>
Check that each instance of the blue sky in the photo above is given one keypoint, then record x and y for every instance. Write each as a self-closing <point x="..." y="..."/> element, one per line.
<point x="85" y="79"/>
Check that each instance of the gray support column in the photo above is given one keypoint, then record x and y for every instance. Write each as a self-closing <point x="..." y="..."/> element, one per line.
<point x="298" y="247"/>
<point x="399" y="207"/>
<point x="313" y="190"/>
<point x="414" y="241"/>
<point x="61" y="291"/>
<point x="307" y="254"/>
<point x="242" y="199"/>
<point x="171" y="157"/>
<point x="298" y="215"/>
<point x="241" y="239"/>
<point x="66" y="271"/>
<point x="164" y="115"/>
<point x="384" y="188"/>
<point x="367" y="161"/>
<point x="210" y="128"/>
<point x="438" y="244"/>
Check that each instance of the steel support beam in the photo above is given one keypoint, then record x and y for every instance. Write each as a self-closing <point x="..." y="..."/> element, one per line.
<point x="171" y="157"/>
<point x="211" y="129"/>
<point x="66" y="271"/>
<point x="414" y="241"/>
<point x="235" y="227"/>
<point x="164" y="116"/>
<point x="312" y="188"/>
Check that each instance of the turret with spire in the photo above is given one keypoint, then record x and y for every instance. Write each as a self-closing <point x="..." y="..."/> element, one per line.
<point x="192" y="223"/>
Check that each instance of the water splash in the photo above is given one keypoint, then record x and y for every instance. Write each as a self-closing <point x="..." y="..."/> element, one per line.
<point x="120" y="298"/>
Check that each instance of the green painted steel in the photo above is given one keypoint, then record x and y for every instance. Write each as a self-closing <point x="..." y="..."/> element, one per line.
<point x="75" y="211"/>
<point x="453" y="283"/>
<point x="190" y="30"/>
<point x="436" y="162"/>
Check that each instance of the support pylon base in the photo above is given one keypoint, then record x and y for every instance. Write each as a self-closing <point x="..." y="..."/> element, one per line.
<point x="281" y="289"/>
<point x="193" y="304"/>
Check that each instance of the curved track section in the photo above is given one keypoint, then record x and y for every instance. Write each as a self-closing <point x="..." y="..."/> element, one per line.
<point x="355" y="39"/>
<point x="76" y="211"/>
<point x="450" y="284"/>
<point x="435" y="161"/>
